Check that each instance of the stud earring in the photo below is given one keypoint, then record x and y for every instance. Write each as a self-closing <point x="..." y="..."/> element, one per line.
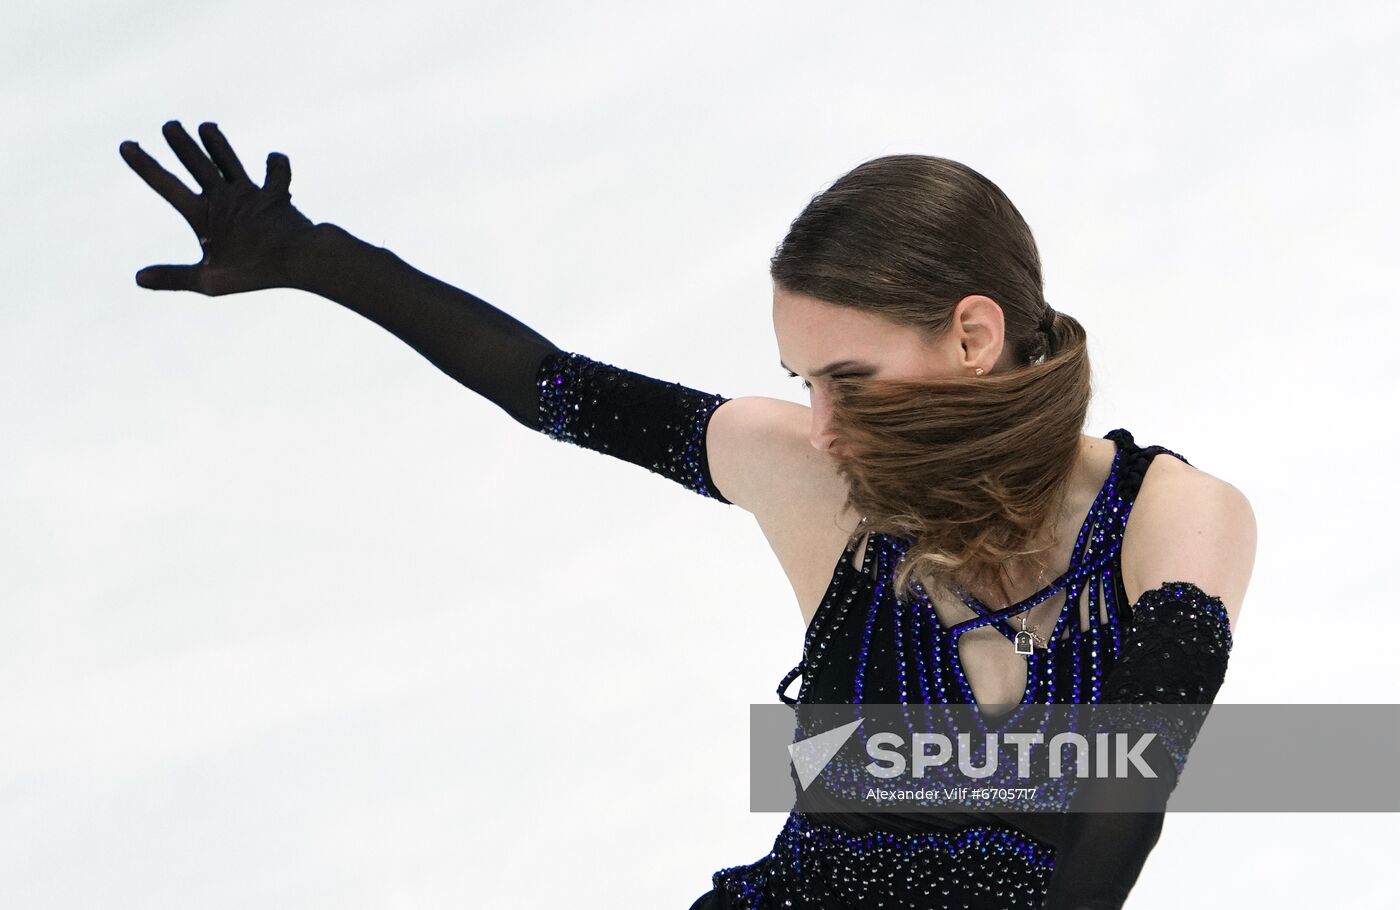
<point x="979" y="371"/>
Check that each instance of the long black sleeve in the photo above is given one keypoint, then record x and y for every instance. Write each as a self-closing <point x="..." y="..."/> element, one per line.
<point x="649" y="422"/>
<point x="1174" y="652"/>
<point x="480" y="346"/>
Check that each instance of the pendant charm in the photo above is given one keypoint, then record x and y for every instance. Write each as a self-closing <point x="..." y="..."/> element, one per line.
<point x="1025" y="639"/>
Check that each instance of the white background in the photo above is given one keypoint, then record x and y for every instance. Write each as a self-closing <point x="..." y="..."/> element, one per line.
<point x="288" y="618"/>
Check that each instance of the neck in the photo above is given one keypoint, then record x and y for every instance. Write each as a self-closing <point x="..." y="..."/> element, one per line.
<point x="1029" y="574"/>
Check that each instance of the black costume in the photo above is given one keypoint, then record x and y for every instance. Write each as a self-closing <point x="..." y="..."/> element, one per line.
<point x="1171" y="646"/>
<point x="864" y="645"/>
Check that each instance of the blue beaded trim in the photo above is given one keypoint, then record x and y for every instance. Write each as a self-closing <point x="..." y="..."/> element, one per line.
<point x="983" y="860"/>
<point x="842" y="865"/>
<point x="950" y="842"/>
<point x="1094" y="559"/>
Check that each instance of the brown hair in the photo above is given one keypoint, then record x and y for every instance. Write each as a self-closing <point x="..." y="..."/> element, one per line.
<point x="972" y="470"/>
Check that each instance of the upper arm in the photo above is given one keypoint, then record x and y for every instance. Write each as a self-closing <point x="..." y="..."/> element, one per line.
<point x="1187" y="525"/>
<point x="751" y="452"/>
<point x="761" y="459"/>
<point x="758" y="451"/>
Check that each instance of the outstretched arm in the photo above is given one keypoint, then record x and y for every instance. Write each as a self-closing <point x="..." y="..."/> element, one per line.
<point x="252" y="238"/>
<point x="649" y="422"/>
<point x="484" y="348"/>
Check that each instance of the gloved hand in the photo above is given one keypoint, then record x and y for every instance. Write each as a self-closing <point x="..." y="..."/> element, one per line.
<point x="253" y="238"/>
<point x="248" y="233"/>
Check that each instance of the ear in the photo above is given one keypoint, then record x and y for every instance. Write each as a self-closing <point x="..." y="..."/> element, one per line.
<point x="980" y="328"/>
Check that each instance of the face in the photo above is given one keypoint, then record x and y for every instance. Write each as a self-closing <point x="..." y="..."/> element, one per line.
<point x="818" y="341"/>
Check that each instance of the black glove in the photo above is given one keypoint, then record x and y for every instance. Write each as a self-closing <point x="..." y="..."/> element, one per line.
<point x="246" y="232"/>
<point x="253" y="238"/>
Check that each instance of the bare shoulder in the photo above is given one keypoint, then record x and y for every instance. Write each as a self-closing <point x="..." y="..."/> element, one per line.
<point x="1188" y="525"/>
<point x="761" y="459"/>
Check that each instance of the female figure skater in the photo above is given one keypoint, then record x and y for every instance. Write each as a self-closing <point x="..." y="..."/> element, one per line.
<point x="951" y="534"/>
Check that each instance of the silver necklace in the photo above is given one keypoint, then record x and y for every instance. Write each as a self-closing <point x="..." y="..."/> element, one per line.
<point x="1028" y="638"/>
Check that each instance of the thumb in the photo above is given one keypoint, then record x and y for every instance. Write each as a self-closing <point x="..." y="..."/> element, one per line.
<point x="168" y="277"/>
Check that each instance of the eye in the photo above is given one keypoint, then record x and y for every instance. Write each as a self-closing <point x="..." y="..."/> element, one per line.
<point x="805" y="384"/>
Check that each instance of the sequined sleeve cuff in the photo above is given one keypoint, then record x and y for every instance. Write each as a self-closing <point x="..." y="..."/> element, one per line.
<point x="1174" y="652"/>
<point x="651" y="423"/>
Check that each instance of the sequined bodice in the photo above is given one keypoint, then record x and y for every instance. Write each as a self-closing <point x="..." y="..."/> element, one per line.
<point x="865" y="645"/>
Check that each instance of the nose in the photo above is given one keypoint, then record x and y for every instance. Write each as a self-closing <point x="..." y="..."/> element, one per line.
<point x="820" y="433"/>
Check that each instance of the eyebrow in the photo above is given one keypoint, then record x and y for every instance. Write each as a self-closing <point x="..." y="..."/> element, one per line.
<point x="829" y="368"/>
